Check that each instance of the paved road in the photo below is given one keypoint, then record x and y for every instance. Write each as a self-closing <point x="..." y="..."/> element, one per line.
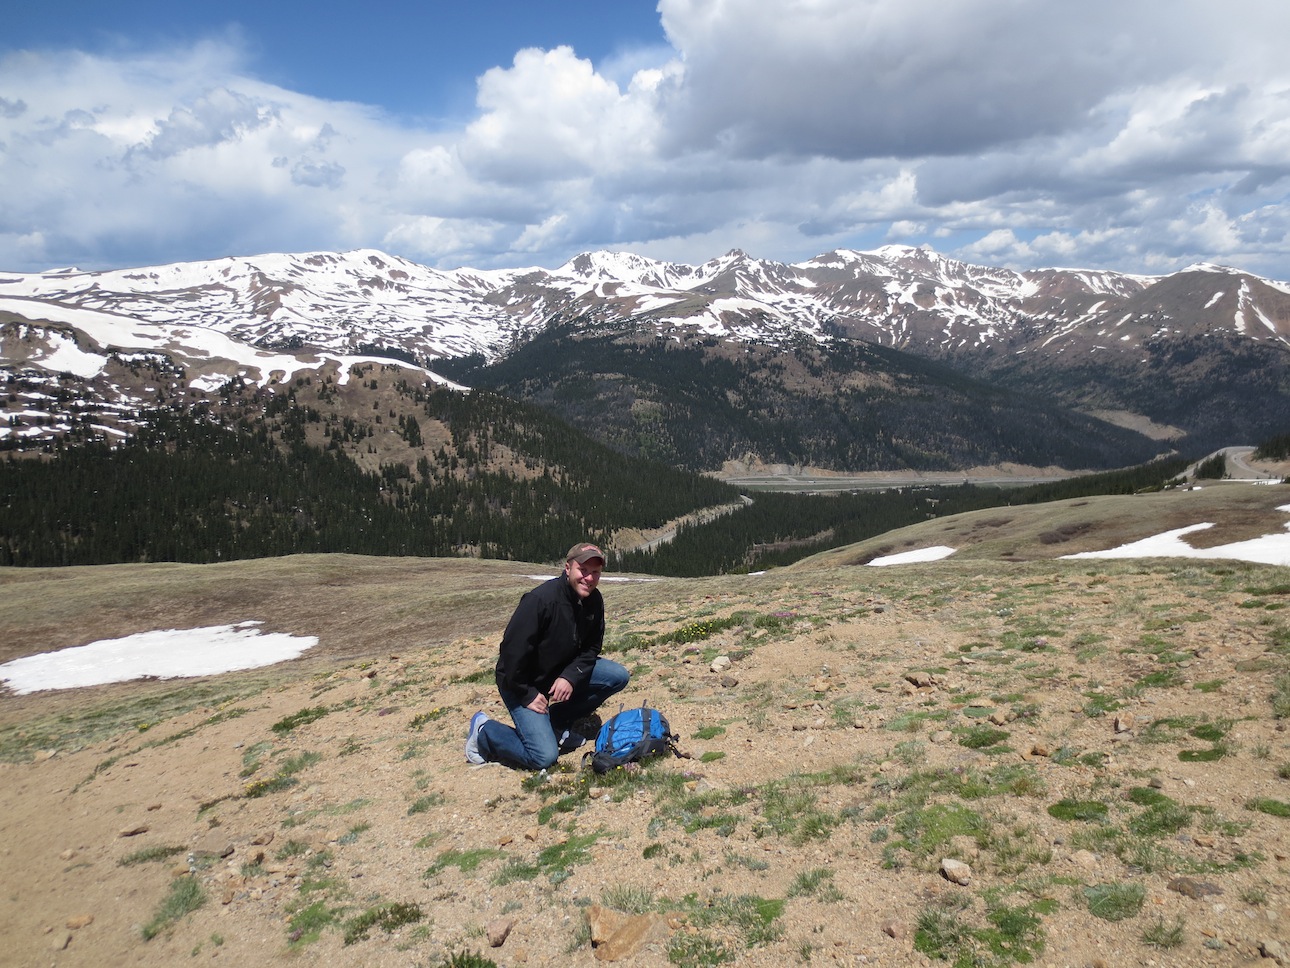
<point x="879" y="482"/>
<point x="1237" y="465"/>
<point x="699" y="517"/>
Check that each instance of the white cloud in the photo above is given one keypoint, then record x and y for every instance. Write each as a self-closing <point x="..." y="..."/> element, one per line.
<point x="551" y="117"/>
<point x="1134" y="136"/>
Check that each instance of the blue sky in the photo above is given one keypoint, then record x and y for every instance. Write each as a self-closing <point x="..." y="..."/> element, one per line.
<point x="420" y="59"/>
<point x="1140" y="137"/>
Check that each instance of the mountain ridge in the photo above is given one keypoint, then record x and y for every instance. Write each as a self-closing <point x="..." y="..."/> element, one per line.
<point x="898" y="295"/>
<point x="1204" y="349"/>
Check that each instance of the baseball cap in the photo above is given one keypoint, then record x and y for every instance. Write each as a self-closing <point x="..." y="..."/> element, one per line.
<point x="584" y="552"/>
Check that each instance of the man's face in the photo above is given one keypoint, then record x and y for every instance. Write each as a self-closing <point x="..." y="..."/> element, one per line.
<point x="584" y="577"/>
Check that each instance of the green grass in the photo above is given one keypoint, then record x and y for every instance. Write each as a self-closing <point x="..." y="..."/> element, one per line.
<point x="924" y="831"/>
<point x="306" y="923"/>
<point x="790" y="809"/>
<point x="466" y="959"/>
<point x="1273" y="808"/>
<point x="150" y="854"/>
<point x="1281" y="696"/>
<point x="1202" y="756"/>
<point x="420" y="719"/>
<point x="629" y="899"/>
<point x="516" y="870"/>
<point x="698" y="951"/>
<point x="1212" y="732"/>
<point x="1163" y="818"/>
<point x="1164" y="934"/>
<point x="422" y="804"/>
<point x="1099" y="704"/>
<point x="466" y="861"/>
<point x="1008" y="935"/>
<point x="1115" y="901"/>
<point x="1163" y="679"/>
<point x="285" y="777"/>
<point x="20" y="740"/>
<point x="292" y="848"/>
<point x="982" y="737"/>
<point x="555" y="862"/>
<point x="308" y="715"/>
<point x="185" y="896"/>
<point x="698" y="631"/>
<point x="1070" y="809"/>
<point x="1146" y="796"/>
<point x="753" y="920"/>
<point x="816" y="882"/>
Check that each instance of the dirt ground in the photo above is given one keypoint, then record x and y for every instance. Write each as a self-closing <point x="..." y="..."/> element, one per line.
<point x="1075" y="733"/>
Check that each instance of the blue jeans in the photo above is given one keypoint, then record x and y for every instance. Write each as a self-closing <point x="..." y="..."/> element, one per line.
<point x="533" y="743"/>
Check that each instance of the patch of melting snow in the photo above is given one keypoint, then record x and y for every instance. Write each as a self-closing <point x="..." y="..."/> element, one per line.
<point x="1270" y="549"/>
<point x="168" y="654"/>
<point x="935" y="553"/>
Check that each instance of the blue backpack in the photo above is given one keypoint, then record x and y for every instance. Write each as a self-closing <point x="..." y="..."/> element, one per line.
<point x="632" y="735"/>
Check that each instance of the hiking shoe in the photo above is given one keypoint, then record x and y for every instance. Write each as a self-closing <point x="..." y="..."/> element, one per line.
<point x="580" y="732"/>
<point x="570" y="740"/>
<point x="473" y="756"/>
<point x="588" y="726"/>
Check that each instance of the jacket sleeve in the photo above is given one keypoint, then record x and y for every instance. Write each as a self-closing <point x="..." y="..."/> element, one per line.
<point x="517" y="666"/>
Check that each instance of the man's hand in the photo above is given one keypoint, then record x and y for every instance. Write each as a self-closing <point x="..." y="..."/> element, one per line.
<point x="561" y="691"/>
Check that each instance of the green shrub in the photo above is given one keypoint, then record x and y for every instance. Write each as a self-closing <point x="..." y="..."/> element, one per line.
<point x="982" y="737"/>
<point x="388" y="917"/>
<point x="466" y="959"/>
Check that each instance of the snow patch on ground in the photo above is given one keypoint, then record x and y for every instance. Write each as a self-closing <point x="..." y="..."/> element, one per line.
<point x="1270" y="549"/>
<point x="168" y="654"/>
<point x="935" y="553"/>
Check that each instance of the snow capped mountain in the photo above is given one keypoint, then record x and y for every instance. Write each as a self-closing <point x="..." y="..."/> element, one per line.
<point x="90" y="351"/>
<point x="319" y="300"/>
<point x="264" y="319"/>
<point x="900" y="296"/>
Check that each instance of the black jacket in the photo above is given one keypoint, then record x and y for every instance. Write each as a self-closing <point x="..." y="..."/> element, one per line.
<point x="553" y="634"/>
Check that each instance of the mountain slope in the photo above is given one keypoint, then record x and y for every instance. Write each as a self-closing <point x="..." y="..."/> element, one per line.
<point x="1203" y="350"/>
<point x="843" y="404"/>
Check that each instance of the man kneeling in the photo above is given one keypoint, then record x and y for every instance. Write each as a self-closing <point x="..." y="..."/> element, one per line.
<point x="549" y="672"/>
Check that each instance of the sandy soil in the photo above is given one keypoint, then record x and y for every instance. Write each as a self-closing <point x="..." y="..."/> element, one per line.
<point x="833" y="765"/>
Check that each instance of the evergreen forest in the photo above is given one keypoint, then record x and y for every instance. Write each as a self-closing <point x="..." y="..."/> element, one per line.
<point x="284" y="478"/>
<point x="847" y="405"/>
